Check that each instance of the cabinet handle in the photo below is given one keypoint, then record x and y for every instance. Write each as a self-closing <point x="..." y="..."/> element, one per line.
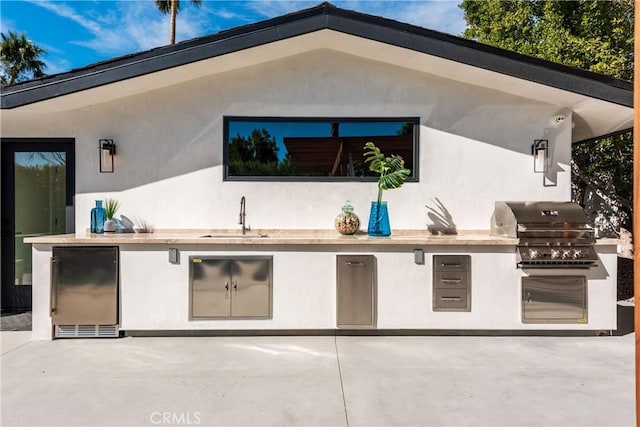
<point x="54" y="285"/>
<point x="443" y="280"/>
<point x="226" y="286"/>
<point x="359" y="263"/>
<point x="235" y="286"/>
<point x="451" y="264"/>
<point x="450" y="298"/>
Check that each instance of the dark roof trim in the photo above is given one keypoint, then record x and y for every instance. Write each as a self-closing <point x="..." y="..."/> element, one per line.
<point x="323" y="16"/>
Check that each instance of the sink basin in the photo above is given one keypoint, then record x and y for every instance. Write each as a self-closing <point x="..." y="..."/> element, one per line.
<point x="233" y="236"/>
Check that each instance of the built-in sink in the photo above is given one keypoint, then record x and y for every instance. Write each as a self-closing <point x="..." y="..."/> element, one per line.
<point x="233" y="236"/>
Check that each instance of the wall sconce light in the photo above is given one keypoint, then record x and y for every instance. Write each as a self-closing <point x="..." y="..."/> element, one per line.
<point x="107" y="150"/>
<point x="540" y="151"/>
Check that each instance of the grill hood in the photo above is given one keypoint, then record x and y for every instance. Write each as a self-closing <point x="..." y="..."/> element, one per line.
<point x="513" y="219"/>
<point x="550" y="234"/>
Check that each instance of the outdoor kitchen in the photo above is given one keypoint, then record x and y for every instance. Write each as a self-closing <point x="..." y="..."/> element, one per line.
<point x="482" y="236"/>
<point x="318" y="281"/>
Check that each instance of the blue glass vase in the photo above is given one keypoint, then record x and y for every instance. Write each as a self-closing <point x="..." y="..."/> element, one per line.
<point x="98" y="217"/>
<point x="379" y="220"/>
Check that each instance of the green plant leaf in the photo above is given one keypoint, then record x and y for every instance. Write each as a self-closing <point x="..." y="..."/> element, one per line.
<point x="391" y="169"/>
<point x="394" y="179"/>
<point x="111" y="206"/>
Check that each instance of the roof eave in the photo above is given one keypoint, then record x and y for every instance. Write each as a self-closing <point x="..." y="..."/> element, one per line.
<point x="323" y="16"/>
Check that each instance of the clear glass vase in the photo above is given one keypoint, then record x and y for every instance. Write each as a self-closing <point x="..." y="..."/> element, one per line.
<point x="379" y="220"/>
<point x="347" y="223"/>
<point x="98" y="217"/>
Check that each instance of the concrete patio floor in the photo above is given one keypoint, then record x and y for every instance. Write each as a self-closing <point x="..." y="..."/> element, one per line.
<point x="319" y="381"/>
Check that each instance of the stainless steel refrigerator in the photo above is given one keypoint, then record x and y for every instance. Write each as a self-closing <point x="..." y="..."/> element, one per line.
<point x="84" y="294"/>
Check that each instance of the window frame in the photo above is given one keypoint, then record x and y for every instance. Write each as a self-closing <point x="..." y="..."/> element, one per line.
<point x="415" y="173"/>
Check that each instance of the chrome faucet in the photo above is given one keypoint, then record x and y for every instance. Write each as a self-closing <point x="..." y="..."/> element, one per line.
<point x="243" y="215"/>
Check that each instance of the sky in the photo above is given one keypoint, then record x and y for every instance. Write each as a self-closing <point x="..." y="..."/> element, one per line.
<point x="75" y="33"/>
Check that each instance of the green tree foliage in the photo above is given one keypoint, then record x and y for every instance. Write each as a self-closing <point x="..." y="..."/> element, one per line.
<point x="257" y="155"/>
<point x="172" y="8"/>
<point x="19" y="59"/>
<point x="406" y="129"/>
<point x="592" y="35"/>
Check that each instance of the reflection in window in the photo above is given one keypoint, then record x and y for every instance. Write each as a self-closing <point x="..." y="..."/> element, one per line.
<point x="313" y="148"/>
<point x="40" y="203"/>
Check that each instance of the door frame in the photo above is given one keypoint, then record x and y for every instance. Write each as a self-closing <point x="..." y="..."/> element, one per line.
<point x="14" y="299"/>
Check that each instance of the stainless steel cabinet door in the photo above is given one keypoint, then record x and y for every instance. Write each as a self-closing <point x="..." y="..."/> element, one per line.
<point x="84" y="286"/>
<point x="554" y="299"/>
<point x="225" y="287"/>
<point x="356" y="291"/>
<point x="210" y="287"/>
<point x="251" y="287"/>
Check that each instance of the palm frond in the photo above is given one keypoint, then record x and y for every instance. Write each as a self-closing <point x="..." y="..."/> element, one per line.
<point x="163" y="6"/>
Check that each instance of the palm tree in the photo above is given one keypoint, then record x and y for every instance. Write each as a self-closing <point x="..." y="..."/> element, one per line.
<point x="18" y="58"/>
<point x="172" y="7"/>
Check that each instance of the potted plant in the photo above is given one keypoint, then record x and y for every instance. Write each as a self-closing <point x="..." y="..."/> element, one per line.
<point x="392" y="175"/>
<point x="110" y="208"/>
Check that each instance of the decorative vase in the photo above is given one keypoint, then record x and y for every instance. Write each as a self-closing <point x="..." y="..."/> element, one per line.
<point x="98" y="217"/>
<point x="379" y="220"/>
<point x="347" y="222"/>
<point x="109" y="226"/>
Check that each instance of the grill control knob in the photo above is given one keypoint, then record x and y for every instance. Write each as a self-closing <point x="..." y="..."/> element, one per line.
<point x="534" y="253"/>
<point x="578" y="253"/>
<point x="555" y="253"/>
<point x="566" y="254"/>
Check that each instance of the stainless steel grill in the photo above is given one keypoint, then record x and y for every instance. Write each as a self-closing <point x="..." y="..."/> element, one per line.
<point x="550" y="234"/>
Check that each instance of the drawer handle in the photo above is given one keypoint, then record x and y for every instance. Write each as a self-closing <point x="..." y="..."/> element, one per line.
<point x="443" y="280"/>
<point x="354" y="263"/>
<point x="451" y="264"/>
<point x="450" y="298"/>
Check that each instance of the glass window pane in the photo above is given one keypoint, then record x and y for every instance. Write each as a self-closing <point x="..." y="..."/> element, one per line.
<point x="40" y="187"/>
<point x="314" y="148"/>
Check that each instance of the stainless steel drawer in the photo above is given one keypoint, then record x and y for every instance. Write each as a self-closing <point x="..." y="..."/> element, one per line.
<point x="451" y="283"/>
<point x="451" y="300"/>
<point x="450" y="279"/>
<point x="451" y="262"/>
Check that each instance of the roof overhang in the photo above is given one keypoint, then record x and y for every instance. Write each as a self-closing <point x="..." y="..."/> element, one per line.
<point x="601" y="105"/>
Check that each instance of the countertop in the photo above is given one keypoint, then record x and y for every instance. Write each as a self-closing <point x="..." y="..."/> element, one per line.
<point x="283" y="237"/>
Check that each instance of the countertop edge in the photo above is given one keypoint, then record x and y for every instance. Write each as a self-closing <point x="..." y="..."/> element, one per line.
<point x="281" y="238"/>
<point x="129" y="239"/>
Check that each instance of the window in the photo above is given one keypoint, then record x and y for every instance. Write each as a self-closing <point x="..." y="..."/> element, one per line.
<point x="314" y="149"/>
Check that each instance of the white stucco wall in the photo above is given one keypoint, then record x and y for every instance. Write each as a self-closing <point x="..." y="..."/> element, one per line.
<point x="304" y="291"/>
<point x="474" y="146"/>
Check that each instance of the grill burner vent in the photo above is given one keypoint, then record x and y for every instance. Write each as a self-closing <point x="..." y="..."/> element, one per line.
<point x="550" y="234"/>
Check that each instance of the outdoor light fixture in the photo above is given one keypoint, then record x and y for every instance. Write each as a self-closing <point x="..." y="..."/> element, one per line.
<point x="557" y="120"/>
<point x="540" y="151"/>
<point x="107" y="151"/>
